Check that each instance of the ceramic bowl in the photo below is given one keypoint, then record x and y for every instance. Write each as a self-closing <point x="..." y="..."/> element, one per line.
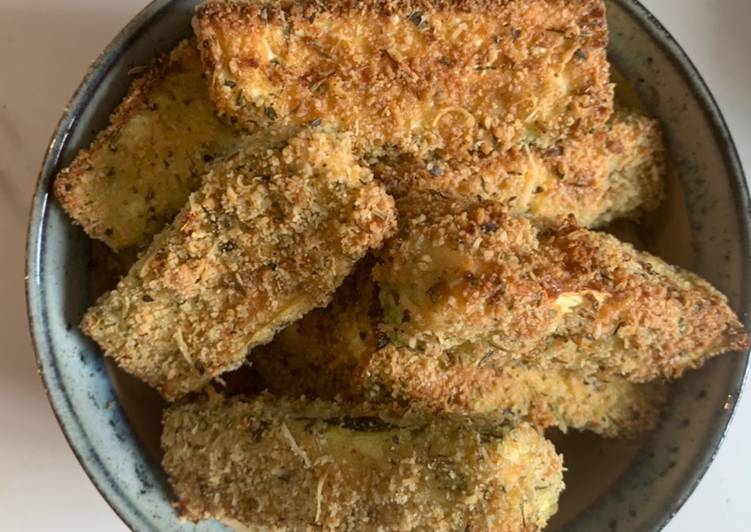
<point x="112" y="424"/>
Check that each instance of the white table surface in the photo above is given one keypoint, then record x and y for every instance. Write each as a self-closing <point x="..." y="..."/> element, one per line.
<point x="45" y="47"/>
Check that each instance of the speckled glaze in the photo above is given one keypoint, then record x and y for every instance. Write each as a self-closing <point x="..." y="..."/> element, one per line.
<point x="712" y="198"/>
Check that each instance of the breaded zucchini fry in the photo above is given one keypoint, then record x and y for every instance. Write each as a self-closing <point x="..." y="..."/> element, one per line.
<point x="269" y="236"/>
<point x="237" y="460"/>
<point x="609" y="174"/>
<point x="547" y="293"/>
<point x="138" y="172"/>
<point x="338" y="351"/>
<point x="456" y="75"/>
<point x="436" y="380"/>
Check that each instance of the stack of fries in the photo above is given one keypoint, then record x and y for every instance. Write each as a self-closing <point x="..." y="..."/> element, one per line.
<point x="387" y="208"/>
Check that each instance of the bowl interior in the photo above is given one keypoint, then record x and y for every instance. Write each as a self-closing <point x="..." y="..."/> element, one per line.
<point x="112" y="420"/>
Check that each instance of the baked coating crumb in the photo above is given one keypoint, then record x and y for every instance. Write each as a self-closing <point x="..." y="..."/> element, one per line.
<point x="547" y="294"/>
<point x="269" y="236"/>
<point x="321" y="354"/>
<point x="240" y="460"/>
<point x="437" y="380"/>
<point x="339" y="352"/>
<point x="615" y="172"/>
<point x="138" y="172"/>
<point x="454" y="75"/>
<point x="492" y="314"/>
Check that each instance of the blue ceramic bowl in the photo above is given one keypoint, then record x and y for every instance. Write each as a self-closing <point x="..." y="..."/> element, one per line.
<point x="112" y="424"/>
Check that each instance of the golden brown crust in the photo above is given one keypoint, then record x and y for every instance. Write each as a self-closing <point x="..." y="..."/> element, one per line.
<point x="436" y="380"/>
<point x="458" y="76"/>
<point x="548" y="293"/>
<point x="321" y="354"/>
<point x="339" y="352"/>
<point x="240" y="460"/>
<point x="138" y="172"/>
<point x="613" y="173"/>
<point x="270" y="235"/>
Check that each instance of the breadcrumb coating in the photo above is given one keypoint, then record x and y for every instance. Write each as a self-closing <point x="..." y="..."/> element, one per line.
<point x="437" y="380"/>
<point x="436" y="361"/>
<point x="616" y="172"/>
<point x="321" y="354"/>
<point x="138" y="172"/>
<point x="339" y="352"/>
<point x="417" y="75"/>
<point x="269" y="236"/>
<point x="547" y="293"/>
<point x="240" y="460"/>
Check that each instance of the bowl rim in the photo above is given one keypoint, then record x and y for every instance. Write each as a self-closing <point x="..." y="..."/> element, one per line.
<point x="91" y="462"/>
<point x="117" y="500"/>
<point x="740" y="188"/>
